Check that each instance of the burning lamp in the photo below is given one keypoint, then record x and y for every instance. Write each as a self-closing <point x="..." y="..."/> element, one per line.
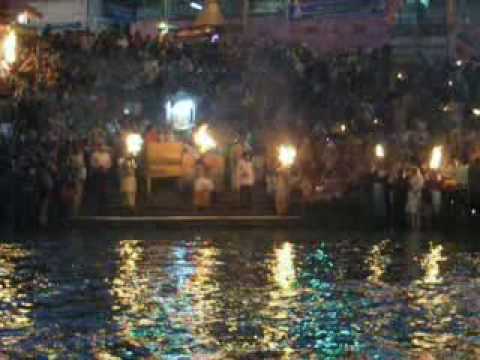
<point x="287" y="155"/>
<point x="203" y="139"/>
<point x="436" y="158"/>
<point x="459" y="63"/>
<point x="10" y="48"/>
<point x="343" y="128"/>
<point x="400" y="76"/>
<point x="380" y="151"/>
<point x="134" y="144"/>
<point x="22" y="18"/>
<point x="476" y="112"/>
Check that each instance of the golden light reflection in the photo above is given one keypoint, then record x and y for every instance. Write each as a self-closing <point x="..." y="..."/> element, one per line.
<point x="431" y="265"/>
<point x="202" y="288"/>
<point x="15" y="311"/>
<point x="378" y="262"/>
<point x="284" y="268"/>
<point x="129" y="287"/>
<point x="434" y="328"/>
<point x="275" y="337"/>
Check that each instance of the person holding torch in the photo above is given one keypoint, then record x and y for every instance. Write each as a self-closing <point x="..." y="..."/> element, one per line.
<point x="286" y="157"/>
<point x="127" y="167"/>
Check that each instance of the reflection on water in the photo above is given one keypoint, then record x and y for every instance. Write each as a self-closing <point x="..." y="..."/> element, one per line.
<point x="284" y="269"/>
<point x="15" y="304"/>
<point x="437" y="311"/>
<point x="378" y="261"/>
<point x="238" y="294"/>
<point x="431" y="265"/>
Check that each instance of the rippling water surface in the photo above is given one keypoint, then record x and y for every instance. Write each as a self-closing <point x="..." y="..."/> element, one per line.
<point x="239" y="295"/>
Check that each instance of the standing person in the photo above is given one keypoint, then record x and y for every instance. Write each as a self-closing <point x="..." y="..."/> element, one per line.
<point x="400" y="191"/>
<point x="474" y="185"/>
<point x="203" y="188"/>
<point x="100" y="164"/>
<point x="79" y="172"/>
<point x="151" y="135"/>
<point x="414" y="199"/>
<point x="282" y="193"/>
<point x="128" y="181"/>
<point x="245" y="180"/>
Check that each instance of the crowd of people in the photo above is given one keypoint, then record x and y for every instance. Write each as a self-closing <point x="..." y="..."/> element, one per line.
<point x="90" y="90"/>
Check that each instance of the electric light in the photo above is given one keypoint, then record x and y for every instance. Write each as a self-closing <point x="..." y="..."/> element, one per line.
<point x="196" y="6"/>
<point x="400" y="76"/>
<point x="476" y="111"/>
<point x="343" y="128"/>
<point x="459" y="63"/>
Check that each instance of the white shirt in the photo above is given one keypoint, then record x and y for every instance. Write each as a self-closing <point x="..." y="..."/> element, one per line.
<point x="245" y="173"/>
<point x="101" y="159"/>
<point x="204" y="184"/>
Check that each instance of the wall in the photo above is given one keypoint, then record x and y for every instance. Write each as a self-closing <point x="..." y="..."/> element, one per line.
<point x="56" y="12"/>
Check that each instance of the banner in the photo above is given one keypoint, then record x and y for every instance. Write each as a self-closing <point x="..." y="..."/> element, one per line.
<point x="311" y="8"/>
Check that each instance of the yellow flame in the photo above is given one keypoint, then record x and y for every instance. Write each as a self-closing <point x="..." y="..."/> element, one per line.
<point x="203" y="139"/>
<point x="380" y="151"/>
<point x="436" y="158"/>
<point x="287" y="155"/>
<point x="134" y="144"/>
<point x="10" y="48"/>
<point x="22" y="18"/>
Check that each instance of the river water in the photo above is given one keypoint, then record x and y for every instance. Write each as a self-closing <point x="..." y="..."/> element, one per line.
<point x="239" y="294"/>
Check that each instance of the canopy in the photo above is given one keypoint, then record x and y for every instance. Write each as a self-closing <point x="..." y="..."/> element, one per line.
<point x="211" y="15"/>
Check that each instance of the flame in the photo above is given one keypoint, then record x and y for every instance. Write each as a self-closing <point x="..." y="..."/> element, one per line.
<point x="203" y="139"/>
<point x="380" y="151"/>
<point x="287" y="155"/>
<point x="134" y="144"/>
<point x="10" y="48"/>
<point x="436" y="159"/>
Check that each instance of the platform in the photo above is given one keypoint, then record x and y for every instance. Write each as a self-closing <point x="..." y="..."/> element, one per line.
<point x="241" y="220"/>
